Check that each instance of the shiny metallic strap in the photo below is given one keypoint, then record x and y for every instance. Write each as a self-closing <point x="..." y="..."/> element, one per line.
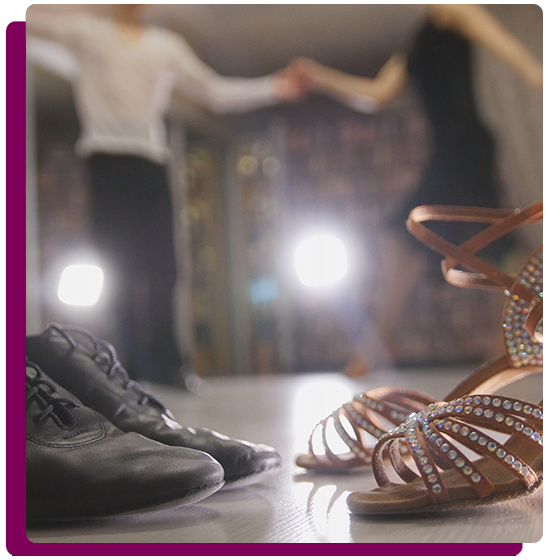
<point x="364" y="414"/>
<point x="484" y="274"/>
<point x="429" y="437"/>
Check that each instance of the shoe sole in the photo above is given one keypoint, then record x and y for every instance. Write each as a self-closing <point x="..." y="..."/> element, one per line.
<point x="461" y="504"/>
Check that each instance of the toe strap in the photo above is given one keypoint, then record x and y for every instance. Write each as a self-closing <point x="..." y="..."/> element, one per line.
<point x="453" y="436"/>
<point x="367" y="414"/>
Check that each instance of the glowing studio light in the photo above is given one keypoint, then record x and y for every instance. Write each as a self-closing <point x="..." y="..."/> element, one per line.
<point x="321" y="260"/>
<point x="80" y="284"/>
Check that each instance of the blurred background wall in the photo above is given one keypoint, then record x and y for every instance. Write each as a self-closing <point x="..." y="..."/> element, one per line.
<point x="248" y="188"/>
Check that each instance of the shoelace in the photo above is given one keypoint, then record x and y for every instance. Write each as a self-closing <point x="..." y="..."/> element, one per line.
<point x="104" y="354"/>
<point x="40" y="387"/>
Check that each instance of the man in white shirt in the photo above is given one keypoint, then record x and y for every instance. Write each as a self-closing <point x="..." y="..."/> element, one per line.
<point x="126" y="71"/>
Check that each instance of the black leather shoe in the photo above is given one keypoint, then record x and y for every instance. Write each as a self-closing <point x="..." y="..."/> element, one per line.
<point x="89" y="368"/>
<point x="79" y="465"/>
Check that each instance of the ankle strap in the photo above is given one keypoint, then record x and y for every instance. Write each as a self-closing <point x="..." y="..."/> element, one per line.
<point x="502" y="222"/>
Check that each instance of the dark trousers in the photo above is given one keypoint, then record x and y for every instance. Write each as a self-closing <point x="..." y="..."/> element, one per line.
<point x="133" y="231"/>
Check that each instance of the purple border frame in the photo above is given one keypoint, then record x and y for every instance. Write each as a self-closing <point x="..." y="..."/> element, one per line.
<point x="17" y="543"/>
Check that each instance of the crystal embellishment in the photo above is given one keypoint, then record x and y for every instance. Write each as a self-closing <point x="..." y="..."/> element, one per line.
<point x="522" y="347"/>
<point x="430" y="433"/>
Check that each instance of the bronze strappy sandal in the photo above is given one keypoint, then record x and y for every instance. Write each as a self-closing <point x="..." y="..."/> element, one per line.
<point x="451" y="454"/>
<point x="362" y="421"/>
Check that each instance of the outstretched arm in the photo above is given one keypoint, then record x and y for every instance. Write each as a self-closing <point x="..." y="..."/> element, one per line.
<point x="58" y="27"/>
<point x="361" y="93"/>
<point x="479" y="26"/>
<point x="223" y="94"/>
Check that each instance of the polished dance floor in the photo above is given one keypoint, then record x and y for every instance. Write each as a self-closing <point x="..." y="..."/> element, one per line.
<point x="295" y="506"/>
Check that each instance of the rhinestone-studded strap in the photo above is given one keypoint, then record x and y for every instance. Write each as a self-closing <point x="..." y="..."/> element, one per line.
<point x="443" y="433"/>
<point x="503" y="222"/>
<point x="522" y="332"/>
<point x="524" y="341"/>
<point x="370" y="413"/>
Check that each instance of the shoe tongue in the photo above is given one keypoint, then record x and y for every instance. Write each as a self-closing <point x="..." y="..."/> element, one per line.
<point x="63" y="414"/>
<point x="43" y="399"/>
<point x="105" y="356"/>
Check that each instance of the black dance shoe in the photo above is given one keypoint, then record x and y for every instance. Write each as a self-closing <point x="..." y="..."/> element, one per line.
<point x="89" y="368"/>
<point x="79" y="465"/>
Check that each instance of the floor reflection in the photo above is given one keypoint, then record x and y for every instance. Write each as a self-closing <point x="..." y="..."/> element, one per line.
<point x="325" y="506"/>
